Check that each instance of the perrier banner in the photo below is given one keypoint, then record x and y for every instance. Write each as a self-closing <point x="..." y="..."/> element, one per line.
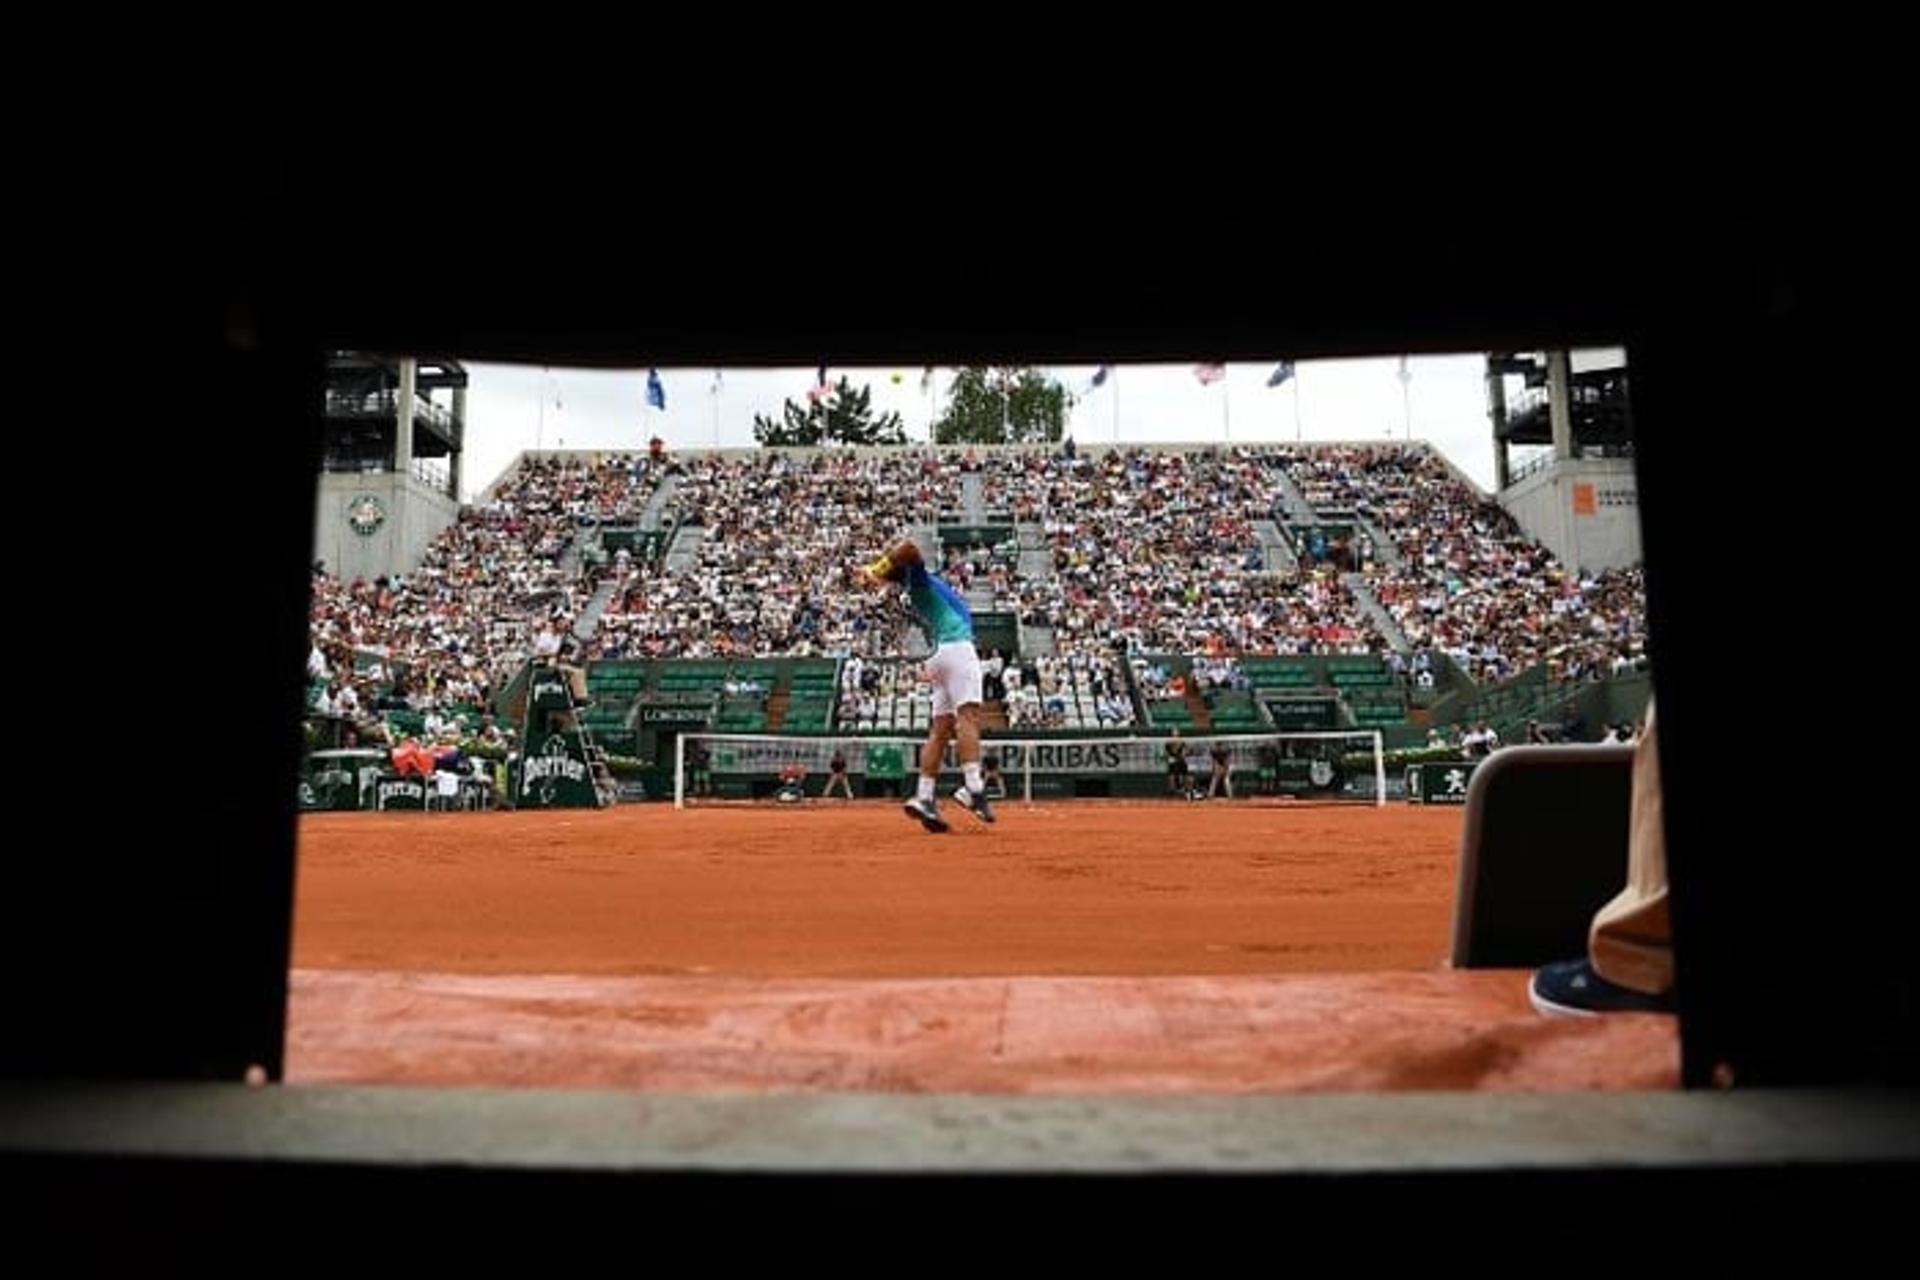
<point x="554" y="775"/>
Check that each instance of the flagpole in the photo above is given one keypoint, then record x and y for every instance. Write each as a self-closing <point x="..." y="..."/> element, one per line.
<point x="1226" y="409"/>
<point x="1113" y="376"/>
<point x="1296" y="406"/>
<point x="540" y="431"/>
<point x="1406" y="396"/>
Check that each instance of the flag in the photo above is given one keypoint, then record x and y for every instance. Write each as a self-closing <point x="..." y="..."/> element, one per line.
<point x="926" y="380"/>
<point x="1281" y="373"/>
<point x="818" y="393"/>
<point x="715" y="389"/>
<point x="820" y="379"/>
<point x="656" y="390"/>
<point x="1209" y="373"/>
<point x="1100" y="375"/>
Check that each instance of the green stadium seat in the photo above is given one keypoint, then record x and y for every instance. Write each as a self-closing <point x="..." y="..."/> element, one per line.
<point x="1234" y="708"/>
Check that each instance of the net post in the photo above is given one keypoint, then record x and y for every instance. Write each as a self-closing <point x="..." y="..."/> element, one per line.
<point x="1379" y="769"/>
<point x="679" y="770"/>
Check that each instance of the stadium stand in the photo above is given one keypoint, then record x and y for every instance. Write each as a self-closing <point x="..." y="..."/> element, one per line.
<point x="1145" y="590"/>
<point x="1469" y="582"/>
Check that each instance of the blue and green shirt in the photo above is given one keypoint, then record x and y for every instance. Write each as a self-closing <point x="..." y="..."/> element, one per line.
<point x="942" y="614"/>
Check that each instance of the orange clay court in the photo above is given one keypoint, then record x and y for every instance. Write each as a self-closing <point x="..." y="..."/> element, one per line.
<point x="1097" y="947"/>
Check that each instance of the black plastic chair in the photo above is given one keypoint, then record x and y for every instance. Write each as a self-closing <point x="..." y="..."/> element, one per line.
<point x="1544" y="846"/>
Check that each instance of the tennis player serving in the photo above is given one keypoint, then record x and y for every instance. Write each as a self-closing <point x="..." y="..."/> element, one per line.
<point x="954" y="672"/>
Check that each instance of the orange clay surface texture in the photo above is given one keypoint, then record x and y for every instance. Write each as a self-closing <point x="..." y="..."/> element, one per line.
<point x="857" y="890"/>
<point x="1090" y="947"/>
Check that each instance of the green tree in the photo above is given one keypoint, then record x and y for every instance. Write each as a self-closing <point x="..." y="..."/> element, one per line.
<point x="1005" y="404"/>
<point x="842" y="416"/>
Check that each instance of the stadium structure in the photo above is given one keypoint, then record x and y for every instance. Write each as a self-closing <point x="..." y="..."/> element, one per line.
<point x="1326" y="609"/>
<point x="1573" y="416"/>
<point x="395" y="431"/>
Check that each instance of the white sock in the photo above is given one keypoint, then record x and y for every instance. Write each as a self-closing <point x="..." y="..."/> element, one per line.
<point x="972" y="770"/>
<point x="926" y="787"/>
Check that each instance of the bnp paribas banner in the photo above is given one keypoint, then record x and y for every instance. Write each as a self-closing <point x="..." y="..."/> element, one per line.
<point x="1243" y="755"/>
<point x="891" y="757"/>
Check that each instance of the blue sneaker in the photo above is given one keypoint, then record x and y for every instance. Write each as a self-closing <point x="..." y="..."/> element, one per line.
<point x="1572" y="989"/>
<point x="979" y="806"/>
<point x="926" y="813"/>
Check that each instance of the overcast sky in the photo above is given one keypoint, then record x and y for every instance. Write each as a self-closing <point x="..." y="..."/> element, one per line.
<point x="515" y="407"/>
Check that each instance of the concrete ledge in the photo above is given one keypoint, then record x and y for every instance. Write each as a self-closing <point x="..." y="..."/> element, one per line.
<point x="541" y="1130"/>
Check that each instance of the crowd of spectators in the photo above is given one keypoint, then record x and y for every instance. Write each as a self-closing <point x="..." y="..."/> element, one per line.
<point x="1078" y="690"/>
<point x="1075" y="690"/>
<point x="1156" y="552"/>
<point x="882" y="694"/>
<point x="1470" y="583"/>
<point x="771" y="575"/>
<point x="491" y="588"/>
<point x="1147" y="551"/>
<point x="982" y="569"/>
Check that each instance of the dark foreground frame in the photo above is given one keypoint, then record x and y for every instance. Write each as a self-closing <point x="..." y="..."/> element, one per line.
<point x="156" y="950"/>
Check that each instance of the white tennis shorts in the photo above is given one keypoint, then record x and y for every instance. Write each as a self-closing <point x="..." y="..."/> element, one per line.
<point x="954" y="672"/>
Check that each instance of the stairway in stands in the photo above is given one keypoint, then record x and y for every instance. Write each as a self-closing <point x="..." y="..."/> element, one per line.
<point x="1276" y="556"/>
<point x="685" y="546"/>
<point x="589" y="620"/>
<point x="1356" y="585"/>
<point x="657" y="502"/>
<point x="1198" y="709"/>
<point x="1293" y="503"/>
